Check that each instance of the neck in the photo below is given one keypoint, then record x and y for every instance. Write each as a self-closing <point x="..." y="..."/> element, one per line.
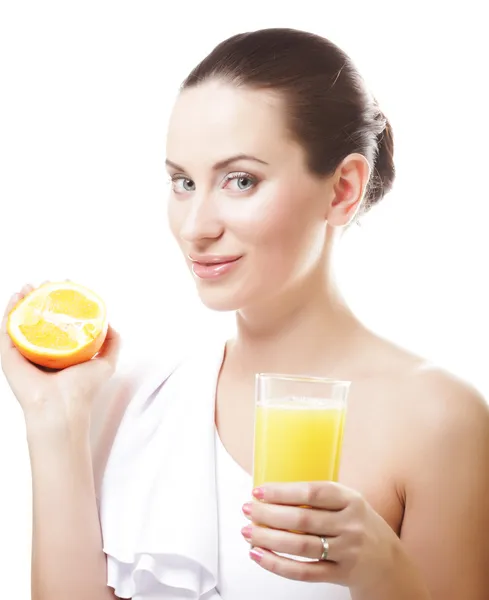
<point x="310" y="329"/>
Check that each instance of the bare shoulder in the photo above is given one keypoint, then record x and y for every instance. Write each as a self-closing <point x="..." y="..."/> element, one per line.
<point x="446" y="397"/>
<point x="436" y="412"/>
<point x="425" y="406"/>
<point x="451" y="419"/>
<point x="424" y="386"/>
<point x="441" y="468"/>
<point x="438" y="399"/>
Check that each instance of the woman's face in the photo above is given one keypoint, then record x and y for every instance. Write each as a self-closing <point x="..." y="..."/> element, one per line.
<point x="249" y="217"/>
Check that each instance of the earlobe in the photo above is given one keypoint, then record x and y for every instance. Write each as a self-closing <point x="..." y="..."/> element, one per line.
<point x="350" y="183"/>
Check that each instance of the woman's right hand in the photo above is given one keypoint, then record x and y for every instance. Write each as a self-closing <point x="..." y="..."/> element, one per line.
<point x="67" y="393"/>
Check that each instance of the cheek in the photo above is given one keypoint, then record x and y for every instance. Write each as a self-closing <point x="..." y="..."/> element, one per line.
<point x="174" y="218"/>
<point x="273" y="220"/>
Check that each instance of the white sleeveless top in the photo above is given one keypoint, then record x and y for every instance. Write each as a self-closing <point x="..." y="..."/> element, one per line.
<point x="171" y="498"/>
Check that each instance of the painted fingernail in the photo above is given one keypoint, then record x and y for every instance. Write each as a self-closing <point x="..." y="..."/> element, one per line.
<point x="246" y="532"/>
<point x="258" y="493"/>
<point x="256" y="554"/>
<point x="247" y="509"/>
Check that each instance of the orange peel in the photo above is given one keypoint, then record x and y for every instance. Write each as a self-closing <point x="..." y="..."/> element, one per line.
<point x="58" y="325"/>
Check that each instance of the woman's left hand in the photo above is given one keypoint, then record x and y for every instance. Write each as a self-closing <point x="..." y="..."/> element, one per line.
<point x="362" y="546"/>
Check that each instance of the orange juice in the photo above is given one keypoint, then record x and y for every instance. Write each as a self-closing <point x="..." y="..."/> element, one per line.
<point x="298" y="440"/>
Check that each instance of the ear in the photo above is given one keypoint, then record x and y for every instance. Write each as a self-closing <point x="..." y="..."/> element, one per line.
<point x="349" y="184"/>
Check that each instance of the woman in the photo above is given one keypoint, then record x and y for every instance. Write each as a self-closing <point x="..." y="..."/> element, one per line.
<point x="274" y="148"/>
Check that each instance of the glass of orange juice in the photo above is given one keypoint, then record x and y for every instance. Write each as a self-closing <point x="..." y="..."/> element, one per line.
<point x="299" y="423"/>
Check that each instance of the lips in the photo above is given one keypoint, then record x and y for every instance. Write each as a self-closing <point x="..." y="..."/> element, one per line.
<point x="212" y="267"/>
<point x="213" y="259"/>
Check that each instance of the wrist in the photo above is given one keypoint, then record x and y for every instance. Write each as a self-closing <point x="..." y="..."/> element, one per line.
<point x="51" y="420"/>
<point x="397" y="578"/>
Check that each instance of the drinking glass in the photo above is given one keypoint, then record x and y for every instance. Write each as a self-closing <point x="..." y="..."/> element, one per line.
<point x="299" y="424"/>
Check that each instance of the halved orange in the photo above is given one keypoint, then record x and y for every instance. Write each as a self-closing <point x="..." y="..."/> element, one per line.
<point x="58" y="325"/>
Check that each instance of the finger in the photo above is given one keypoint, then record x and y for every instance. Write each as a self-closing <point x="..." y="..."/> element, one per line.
<point x="12" y="303"/>
<point x="26" y="289"/>
<point x="5" y="340"/>
<point x="318" y="494"/>
<point x="11" y="358"/>
<point x="109" y="353"/>
<point x="296" y="544"/>
<point x="14" y="300"/>
<point x="294" y="518"/>
<point x="323" y="571"/>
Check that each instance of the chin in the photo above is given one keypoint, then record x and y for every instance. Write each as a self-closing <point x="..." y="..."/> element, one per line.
<point x="219" y="302"/>
<point x="221" y="297"/>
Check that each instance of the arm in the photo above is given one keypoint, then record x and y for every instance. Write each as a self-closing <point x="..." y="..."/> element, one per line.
<point x="446" y="524"/>
<point x="68" y="458"/>
<point x="67" y="556"/>
<point x="402" y="581"/>
<point x="67" y="551"/>
<point x="443" y="551"/>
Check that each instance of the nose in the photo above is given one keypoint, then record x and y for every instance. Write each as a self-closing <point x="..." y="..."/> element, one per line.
<point x="201" y="221"/>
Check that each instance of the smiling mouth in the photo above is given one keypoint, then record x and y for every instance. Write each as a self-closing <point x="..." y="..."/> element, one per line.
<point x="213" y="268"/>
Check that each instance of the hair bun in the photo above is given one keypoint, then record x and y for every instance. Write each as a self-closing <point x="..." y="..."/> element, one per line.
<point x="384" y="169"/>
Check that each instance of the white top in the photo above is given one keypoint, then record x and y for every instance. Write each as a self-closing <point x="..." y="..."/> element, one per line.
<point x="171" y="499"/>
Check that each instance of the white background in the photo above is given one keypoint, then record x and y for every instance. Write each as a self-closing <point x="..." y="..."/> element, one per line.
<point x="86" y="90"/>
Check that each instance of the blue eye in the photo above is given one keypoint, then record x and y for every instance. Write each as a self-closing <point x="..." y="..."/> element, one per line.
<point x="244" y="181"/>
<point x="187" y="185"/>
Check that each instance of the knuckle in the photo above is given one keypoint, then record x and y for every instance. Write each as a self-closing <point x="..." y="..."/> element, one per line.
<point x="256" y="538"/>
<point x="348" y="563"/>
<point x="353" y="555"/>
<point x="312" y="493"/>
<point x="304" y="546"/>
<point x="357" y="500"/>
<point x="259" y="512"/>
<point x="304" y="520"/>
<point x="355" y="535"/>
<point x="302" y="574"/>
<point x="273" y="567"/>
<point x="357" y="505"/>
<point x="106" y="369"/>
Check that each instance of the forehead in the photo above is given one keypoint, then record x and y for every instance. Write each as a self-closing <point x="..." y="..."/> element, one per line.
<point x="215" y="120"/>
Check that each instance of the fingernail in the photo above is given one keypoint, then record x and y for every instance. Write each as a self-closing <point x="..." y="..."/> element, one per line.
<point x="246" y="532"/>
<point x="256" y="554"/>
<point x="247" y="509"/>
<point x="258" y="493"/>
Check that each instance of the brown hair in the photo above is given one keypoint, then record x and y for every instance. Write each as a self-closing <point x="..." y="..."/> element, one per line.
<point x="330" y="111"/>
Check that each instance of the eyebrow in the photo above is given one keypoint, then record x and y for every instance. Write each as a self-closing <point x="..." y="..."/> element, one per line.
<point x="222" y="164"/>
